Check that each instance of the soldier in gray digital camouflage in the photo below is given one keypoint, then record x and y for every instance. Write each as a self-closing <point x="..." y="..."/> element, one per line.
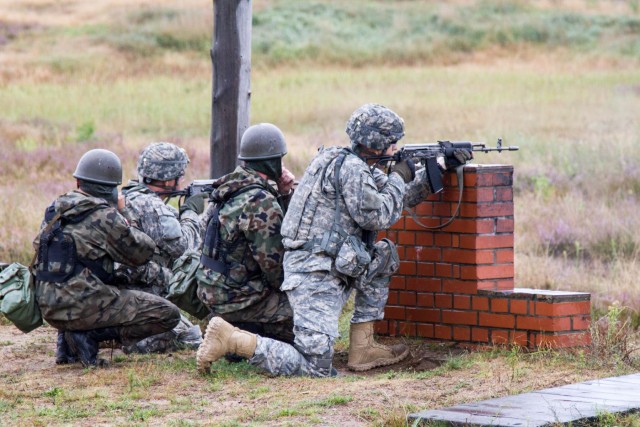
<point x="240" y="269"/>
<point x="331" y="250"/>
<point x="84" y="232"/>
<point x="160" y="168"/>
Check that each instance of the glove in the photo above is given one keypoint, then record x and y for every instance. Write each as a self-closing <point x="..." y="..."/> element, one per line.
<point x="406" y="169"/>
<point x="194" y="203"/>
<point x="458" y="157"/>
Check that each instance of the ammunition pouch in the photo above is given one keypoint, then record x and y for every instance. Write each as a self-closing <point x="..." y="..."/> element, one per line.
<point x="353" y="258"/>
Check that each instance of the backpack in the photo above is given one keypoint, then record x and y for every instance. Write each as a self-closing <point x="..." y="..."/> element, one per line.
<point x="17" y="297"/>
<point x="183" y="288"/>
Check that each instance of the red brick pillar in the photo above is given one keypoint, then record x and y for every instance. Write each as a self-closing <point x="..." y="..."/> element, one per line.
<point x="457" y="283"/>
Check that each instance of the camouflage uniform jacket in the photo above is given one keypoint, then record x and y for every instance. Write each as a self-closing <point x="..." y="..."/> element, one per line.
<point x="370" y="200"/>
<point x="104" y="235"/>
<point x="173" y="234"/>
<point x="252" y="250"/>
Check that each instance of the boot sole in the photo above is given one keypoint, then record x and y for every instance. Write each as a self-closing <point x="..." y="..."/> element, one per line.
<point x="379" y="363"/>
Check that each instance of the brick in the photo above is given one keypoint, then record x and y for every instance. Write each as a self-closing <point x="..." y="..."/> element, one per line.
<point x="411" y="224"/>
<point x="424" y="284"/>
<point x="381" y="327"/>
<point x="407" y="329"/>
<point x="504" y="194"/>
<point x="497" y="285"/>
<point x="479" y="335"/>
<point x="443" y="270"/>
<point x="462" y="302"/>
<point x="407" y="268"/>
<point x="424" y="209"/>
<point x="394" y="312"/>
<point x="393" y="328"/>
<point x="486" y="242"/>
<point x="420" y="253"/>
<point x="460" y="286"/>
<point x="461" y="333"/>
<point x="443" y="240"/>
<point x="482" y="272"/>
<point x="382" y="234"/>
<point x="562" y="308"/>
<point x="391" y="235"/>
<point x="406" y="238"/>
<point x="455" y="241"/>
<point x="401" y="252"/>
<point x="425" y="331"/>
<point x="443" y="210"/>
<point x="425" y="300"/>
<point x="504" y="256"/>
<point x="547" y="324"/>
<point x="426" y="269"/>
<point x="393" y="298"/>
<point x="580" y="323"/>
<point x="397" y="282"/>
<point x="398" y="225"/>
<point x="500" y="337"/>
<point x="443" y="332"/>
<point x="471" y="226"/>
<point x="486" y="210"/>
<point x="563" y="340"/>
<point x="456" y="271"/>
<point x="424" y="238"/>
<point x="506" y="321"/>
<point x="423" y="315"/>
<point x="467" y="256"/>
<point x="444" y="300"/>
<point x="504" y="225"/>
<point x="521" y="338"/>
<point x="457" y="317"/>
<point x="470" y="179"/>
<point x="406" y="298"/>
<point x="519" y="306"/>
<point x="480" y="303"/>
<point x="499" y="305"/>
<point x="495" y="179"/>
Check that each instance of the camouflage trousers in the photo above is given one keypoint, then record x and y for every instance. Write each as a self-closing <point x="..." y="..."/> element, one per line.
<point x="135" y="314"/>
<point x="271" y="317"/>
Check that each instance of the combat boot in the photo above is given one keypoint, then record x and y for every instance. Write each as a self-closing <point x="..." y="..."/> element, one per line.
<point x="365" y="353"/>
<point x="84" y="346"/>
<point x="64" y="354"/>
<point x="222" y="338"/>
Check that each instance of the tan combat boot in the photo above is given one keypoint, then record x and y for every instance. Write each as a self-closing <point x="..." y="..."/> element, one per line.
<point x="222" y="338"/>
<point x="365" y="353"/>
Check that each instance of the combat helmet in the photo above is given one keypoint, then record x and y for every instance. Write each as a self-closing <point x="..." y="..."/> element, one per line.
<point x="99" y="166"/>
<point x="162" y="161"/>
<point x="262" y="141"/>
<point x="374" y="126"/>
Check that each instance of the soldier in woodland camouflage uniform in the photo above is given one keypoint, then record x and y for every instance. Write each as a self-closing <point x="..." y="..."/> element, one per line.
<point x="329" y="231"/>
<point x="83" y="234"/>
<point x="240" y="270"/>
<point x="160" y="168"/>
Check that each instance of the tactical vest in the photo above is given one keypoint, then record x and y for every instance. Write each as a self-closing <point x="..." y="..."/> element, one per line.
<point x="312" y="209"/>
<point x="215" y="249"/>
<point x="58" y="258"/>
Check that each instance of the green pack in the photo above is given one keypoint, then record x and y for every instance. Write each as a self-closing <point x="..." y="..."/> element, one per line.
<point x="183" y="288"/>
<point x="18" y="298"/>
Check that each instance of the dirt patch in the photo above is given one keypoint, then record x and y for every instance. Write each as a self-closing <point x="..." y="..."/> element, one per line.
<point x="10" y="31"/>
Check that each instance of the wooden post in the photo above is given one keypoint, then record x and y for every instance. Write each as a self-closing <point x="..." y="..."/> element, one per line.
<point x="231" y="58"/>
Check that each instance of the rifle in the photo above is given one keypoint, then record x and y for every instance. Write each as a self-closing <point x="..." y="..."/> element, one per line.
<point x="429" y="154"/>
<point x="196" y="187"/>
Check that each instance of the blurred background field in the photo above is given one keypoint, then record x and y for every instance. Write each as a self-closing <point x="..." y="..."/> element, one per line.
<point x="559" y="78"/>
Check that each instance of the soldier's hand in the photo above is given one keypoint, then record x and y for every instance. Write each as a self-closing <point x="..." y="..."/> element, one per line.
<point x="286" y="181"/>
<point x="194" y="203"/>
<point x="121" y="203"/>
<point x="460" y="156"/>
<point x="406" y="169"/>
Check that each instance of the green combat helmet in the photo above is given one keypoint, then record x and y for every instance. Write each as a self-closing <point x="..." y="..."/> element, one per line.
<point x="374" y="126"/>
<point x="263" y="141"/>
<point x="162" y="161"/>
<point x="99" y="166"/>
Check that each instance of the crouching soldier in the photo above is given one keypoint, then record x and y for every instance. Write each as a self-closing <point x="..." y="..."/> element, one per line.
<point x="83" y="233"/>
<point x="240" y="269"/>
<point x="160" y="168"/>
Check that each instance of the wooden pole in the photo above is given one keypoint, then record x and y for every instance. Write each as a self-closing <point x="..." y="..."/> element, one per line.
<point x="231" y="59"/>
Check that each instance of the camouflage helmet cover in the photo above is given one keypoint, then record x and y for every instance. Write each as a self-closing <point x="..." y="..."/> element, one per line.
<point x="99" y="166"/>
<point x="162" y="161"/>
<point x="262" y="141"/>
<point x="375" y="126"/>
